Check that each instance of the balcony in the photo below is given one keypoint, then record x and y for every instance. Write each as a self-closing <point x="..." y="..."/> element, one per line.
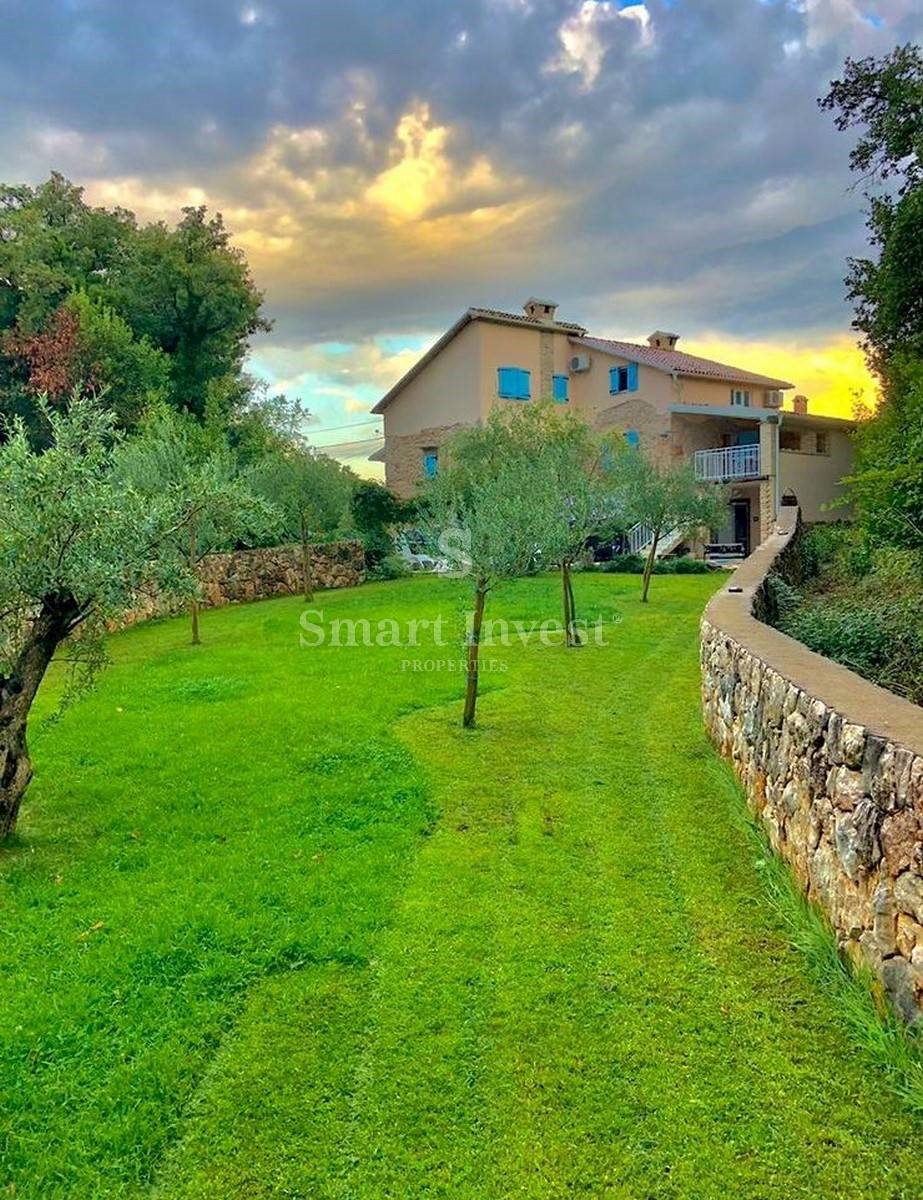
<point x="727" y="462"/>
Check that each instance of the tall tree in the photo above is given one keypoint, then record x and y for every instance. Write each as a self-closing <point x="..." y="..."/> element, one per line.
<point x="883" y="98"/>
<point x="88" y="296"/>
<point x="77" y="542"/>
<point x="190" y="292"/>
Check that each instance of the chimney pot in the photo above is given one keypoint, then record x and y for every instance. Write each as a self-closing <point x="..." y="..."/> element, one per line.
<point x="800" y="405"/>
<point x="661" y="340"/>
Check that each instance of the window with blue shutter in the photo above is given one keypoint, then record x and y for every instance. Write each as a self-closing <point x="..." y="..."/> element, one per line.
<point x="559" y="388"/>
<point x="623" y="379"/>
<point x="430" y="463"/>
<point x="513" y="383"/>
<point x="633" y="438"/>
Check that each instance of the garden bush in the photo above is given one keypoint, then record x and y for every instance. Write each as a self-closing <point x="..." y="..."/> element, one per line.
<point x="633" y="564"/>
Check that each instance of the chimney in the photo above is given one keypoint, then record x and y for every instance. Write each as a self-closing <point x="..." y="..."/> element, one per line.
<point x="540" y="310"/>
<point x="661" y="340"/>
<point x="800" y="405"/>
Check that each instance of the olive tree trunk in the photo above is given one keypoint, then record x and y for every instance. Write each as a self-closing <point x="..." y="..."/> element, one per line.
<point x="58" y="616"/>
<point x="649" y="565"/>
<point x="571" y="632"/>
<point x="193" y="560"/>
<point x="474" y="647"/>
<point x="306" y="577"/>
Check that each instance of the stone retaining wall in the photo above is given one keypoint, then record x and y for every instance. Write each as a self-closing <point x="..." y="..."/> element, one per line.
<point x="833" y="767"/>
<point x="243" y="575"/>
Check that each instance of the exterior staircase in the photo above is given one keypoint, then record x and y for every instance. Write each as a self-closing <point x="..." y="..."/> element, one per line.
<point x="641" y="535"/>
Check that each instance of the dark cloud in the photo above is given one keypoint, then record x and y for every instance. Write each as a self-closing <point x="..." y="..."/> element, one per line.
<point x="692" y="171"/>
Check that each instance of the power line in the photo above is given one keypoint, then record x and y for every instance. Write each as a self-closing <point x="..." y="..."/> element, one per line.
<point x="334" y="428"/>
<point x="357" y="442"/>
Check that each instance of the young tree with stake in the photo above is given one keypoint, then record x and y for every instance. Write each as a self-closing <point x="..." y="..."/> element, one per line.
<point x="667" y="498"/>
<point x="311" y="492"/>
<point x="485" y="493"/>
<point x="178" y="455"/>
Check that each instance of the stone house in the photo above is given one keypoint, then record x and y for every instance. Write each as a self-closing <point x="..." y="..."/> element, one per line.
<point x="669" y="404"/>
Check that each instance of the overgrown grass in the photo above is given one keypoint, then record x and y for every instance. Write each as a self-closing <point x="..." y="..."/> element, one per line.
<point x="276" y="926"/>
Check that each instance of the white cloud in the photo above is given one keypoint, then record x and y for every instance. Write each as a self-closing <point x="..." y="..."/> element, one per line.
<point x="583" y="37"/>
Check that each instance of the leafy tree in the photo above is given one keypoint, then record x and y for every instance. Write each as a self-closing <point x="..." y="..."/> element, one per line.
<point x="87" y="348"/>
<point x="190" y="292"/>
<point x="665" y="497"/>
<point x="88" y="297"/>
<point x="176" y="455"/>
<point x="884" y="97"/>
<point x="310" y="491"/>
<point x="53" y="244"/>
<point x="375" y="511"/>
<point x="484" y="493"/>
<point x="567" y="485"/>
<point x="886" y="486"/>
<point x="77" y="543"/>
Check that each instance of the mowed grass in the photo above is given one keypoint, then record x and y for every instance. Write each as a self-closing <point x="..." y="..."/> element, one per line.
<point x="276" y="926"/>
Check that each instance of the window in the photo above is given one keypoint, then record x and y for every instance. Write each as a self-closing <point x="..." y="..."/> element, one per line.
<point x="740" y="398"/>
<point x="823" y="441"/>
<point x="623" y="379"/>
<point x="513" y="383"/>
<point x="789" y="439"/>
<point x="633" y="438"/>
<point x="430" y="462"/>
<point x="559" y="388"/>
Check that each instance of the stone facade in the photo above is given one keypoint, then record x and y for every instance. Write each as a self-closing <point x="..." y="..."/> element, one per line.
<point x="243" y="575"/>
<point x="404" y="457"/>
<point x="832" y="766"/>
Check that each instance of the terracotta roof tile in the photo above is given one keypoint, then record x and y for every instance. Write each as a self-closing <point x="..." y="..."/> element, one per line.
<point x="689" y="365"/>
<point x="495" y="314"/>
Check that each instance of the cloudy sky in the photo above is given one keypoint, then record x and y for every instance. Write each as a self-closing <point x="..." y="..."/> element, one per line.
<point x="386" y="164"/>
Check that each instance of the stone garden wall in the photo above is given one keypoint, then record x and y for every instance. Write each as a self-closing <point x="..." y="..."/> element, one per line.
<point x="243" y="575"/>
<point x="833" y="767"/>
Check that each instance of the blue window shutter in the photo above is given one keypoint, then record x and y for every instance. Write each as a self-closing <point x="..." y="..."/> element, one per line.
<point x="633" y="438"/>
<point x="430" y="463"/>
<point x="559" y="388"/>
<point x="613" y="380"/>
<point x="512" y="383"/>
<point x="632" y="377"/>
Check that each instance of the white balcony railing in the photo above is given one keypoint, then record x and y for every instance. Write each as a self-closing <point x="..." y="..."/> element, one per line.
<point x="728" y="462"/>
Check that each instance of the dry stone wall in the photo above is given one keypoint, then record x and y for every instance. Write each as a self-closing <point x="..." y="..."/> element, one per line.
<point x="243" y="575"/>
<point x="833" y="767"/>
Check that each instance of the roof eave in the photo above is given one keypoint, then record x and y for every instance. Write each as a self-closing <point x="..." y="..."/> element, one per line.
<point x="426" y="358"/>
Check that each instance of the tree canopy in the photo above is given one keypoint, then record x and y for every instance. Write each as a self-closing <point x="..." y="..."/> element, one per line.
<point x="92" y="301"/>
<point x="883" y="98"/>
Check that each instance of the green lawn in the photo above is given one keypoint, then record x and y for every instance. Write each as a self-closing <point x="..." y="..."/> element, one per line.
<point x="276" y="926"/>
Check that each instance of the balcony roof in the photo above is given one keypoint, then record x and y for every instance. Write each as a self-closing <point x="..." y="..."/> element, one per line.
<point x="785" y="417"/>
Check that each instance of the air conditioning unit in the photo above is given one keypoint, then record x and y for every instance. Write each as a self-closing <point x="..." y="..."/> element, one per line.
<point x="774" y="399"/>
<point x="580" y="362"/>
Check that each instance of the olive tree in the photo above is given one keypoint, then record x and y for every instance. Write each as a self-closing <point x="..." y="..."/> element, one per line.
<point x="666" y="497"/>
<point x="78" y="541"/>
<point x="482" y="500"/>
<point x="178" y="456"/>
<point x="312" y="494"/>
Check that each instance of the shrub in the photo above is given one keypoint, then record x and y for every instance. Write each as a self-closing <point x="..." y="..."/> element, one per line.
<point x="390" y="566"/>
<point x="633" y="564"/>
